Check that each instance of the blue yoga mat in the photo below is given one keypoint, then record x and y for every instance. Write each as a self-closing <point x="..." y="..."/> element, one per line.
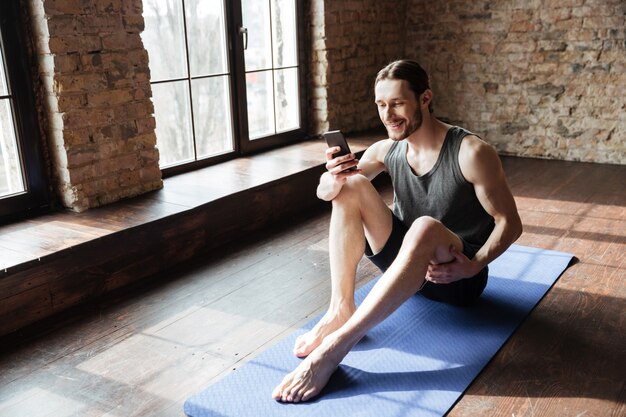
<point x="418" y="362"/>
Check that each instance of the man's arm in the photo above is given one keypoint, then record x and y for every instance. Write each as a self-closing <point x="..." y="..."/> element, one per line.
<point x="481" y="166"/>
<point x="370" y="165"/>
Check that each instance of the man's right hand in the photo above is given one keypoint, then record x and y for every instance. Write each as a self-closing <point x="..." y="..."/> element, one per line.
<point x="340" y="166"/>
<point x="338" y="171"/>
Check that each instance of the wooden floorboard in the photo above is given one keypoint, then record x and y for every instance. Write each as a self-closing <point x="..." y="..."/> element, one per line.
<point x="142" y="350"/>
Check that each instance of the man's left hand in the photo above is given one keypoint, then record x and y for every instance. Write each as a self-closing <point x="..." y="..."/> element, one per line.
<point x="460" y="267"/>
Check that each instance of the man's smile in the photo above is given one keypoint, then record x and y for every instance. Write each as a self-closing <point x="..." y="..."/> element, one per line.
<point x="395" y="125"/>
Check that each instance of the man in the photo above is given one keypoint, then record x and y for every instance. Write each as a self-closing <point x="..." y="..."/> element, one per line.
<point x="453" y="214"/>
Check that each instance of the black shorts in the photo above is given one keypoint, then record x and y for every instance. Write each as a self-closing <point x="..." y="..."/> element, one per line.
<point x="463" y="292"/>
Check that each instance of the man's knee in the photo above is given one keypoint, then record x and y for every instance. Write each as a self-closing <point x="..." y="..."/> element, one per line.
<point x="356" y="183"/>
<point x="431" y="237"/>
<point x="425" y="226"/>
<point x="352" y="190"/>
<point x="423" y="231"/>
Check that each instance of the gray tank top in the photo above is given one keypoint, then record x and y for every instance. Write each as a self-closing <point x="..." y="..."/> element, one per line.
<point x="442" y="193"/>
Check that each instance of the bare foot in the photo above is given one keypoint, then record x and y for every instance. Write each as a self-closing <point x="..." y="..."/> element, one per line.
<point x="313" y="373"/>
<point x="331" y="321"/>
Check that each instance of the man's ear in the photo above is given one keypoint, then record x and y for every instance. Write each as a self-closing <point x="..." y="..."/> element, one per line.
<point x="426" y="97"/>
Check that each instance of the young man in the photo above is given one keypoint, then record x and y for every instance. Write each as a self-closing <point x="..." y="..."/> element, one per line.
<point x="453" y="214"/>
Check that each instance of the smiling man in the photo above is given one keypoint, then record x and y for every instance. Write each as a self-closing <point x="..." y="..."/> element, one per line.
<point x="453" y="213"/>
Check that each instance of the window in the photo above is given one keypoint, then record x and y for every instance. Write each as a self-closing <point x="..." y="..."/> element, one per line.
<point x="11" y="175"/>
<point x="225" y="77"/>
<point x="22" y="185"/>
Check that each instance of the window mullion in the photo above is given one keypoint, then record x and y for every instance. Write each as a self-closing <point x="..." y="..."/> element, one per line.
<point x="193" y="123"/>
<point x="272" y="65"/>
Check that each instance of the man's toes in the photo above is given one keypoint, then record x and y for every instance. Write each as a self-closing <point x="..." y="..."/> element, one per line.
<point x="301" y="352"/>
<point x="298" y="349"/>
<point x="300" y="346"/>
<point x="277" y="393"/>
<point x="306" y="347"/>
<point x="307" y="395"/>
<point x="283" y="393"/>
<point x="282" y="389"/>
<point x="287" y="396"/>
<point x="296" y="394"/>
<point x="292" y="392"/>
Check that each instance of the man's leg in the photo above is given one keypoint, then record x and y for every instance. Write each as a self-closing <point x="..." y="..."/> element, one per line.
<point x="427" y="240"/>
<point x="358" y="213"/>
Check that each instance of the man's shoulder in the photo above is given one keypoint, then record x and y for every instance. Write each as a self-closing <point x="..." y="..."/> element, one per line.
<point x="384" y="143"/>
<point x="474" y="148"/>
<point x="476" y="156"/>
<point x="380" y="148"/>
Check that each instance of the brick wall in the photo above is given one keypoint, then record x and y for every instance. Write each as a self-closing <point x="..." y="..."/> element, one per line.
<point x="351" y="41"/>
<point x="100" y="120"/>
<point x="540" y="79"/>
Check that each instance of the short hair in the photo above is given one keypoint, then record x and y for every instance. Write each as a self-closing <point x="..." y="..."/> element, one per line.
<point x="409" y="71"/>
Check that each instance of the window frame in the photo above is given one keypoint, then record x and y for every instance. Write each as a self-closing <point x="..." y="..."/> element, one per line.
<point x="243" y="145"/>
<point x="18" y="71"/>
<point x="254" y="145"/>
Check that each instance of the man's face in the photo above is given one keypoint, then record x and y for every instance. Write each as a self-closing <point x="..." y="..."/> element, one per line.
<point x="398" y="108"/>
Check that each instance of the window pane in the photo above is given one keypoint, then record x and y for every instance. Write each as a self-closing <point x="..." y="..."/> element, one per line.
<point x="284" y="36"/>
<point x="3" y="81"/>
<point x="259" y="88"/>
<point x="206" y="35"/>
<point x="11" y="179"/>
<point x="287" y="102"/>
<point x="164" y="39"/>
<point x="173" y="129"/>
<point x="256" y="17"/>
<point x="211" y="115"/>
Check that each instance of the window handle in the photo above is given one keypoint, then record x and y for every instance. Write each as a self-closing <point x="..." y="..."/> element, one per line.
<point x="244" y="32"/>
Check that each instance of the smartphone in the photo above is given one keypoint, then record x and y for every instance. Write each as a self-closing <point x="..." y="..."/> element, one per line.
<point x="336" y="138"/>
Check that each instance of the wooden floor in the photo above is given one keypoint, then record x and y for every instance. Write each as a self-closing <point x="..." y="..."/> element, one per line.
<point x="143" y="350"/>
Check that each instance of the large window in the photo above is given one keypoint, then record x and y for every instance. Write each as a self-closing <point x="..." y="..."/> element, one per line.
<point x="11" y="173"/>
<point x="22" y="185"/>
<point x="226" y="77"/>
